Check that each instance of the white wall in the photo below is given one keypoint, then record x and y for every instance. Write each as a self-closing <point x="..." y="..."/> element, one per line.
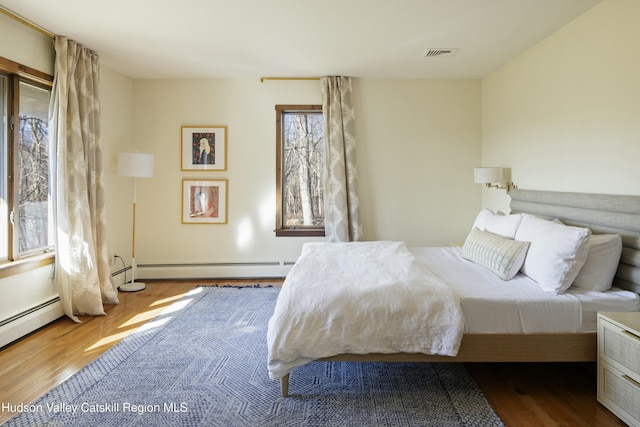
<point x="116" y="101"/>
<point x="417" y="144"/>
<point x="418" y="141"/>
<point x="246" y="107"/>
<point x="25" y="45"/>
<point x="565" y="114"/>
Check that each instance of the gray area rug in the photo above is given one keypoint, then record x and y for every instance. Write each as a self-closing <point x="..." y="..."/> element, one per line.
<point x="203" y="363"/>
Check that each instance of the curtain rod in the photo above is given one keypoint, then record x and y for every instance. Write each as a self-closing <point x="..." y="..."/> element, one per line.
<point x="27" y="23"/>
<point x="262" y="79"/>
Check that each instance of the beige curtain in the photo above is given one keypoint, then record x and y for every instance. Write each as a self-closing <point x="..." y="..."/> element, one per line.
<point x="341" y="204"/>
<point x="82" y="268"/>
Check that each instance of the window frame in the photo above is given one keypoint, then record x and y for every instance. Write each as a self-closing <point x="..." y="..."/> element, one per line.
<point x="17" y="73"/>
<point x="281" y="230"/>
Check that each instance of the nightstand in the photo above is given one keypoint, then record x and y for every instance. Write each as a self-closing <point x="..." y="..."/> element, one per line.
<point x="619" y="364"/>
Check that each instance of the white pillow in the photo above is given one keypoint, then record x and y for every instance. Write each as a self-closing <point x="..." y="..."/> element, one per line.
<point x="502" y="225"/>
<point x="502" y="256"/>
<point x="602" y="262"/>
<point x="481" y="219"/>
<point x="556" y="254"/>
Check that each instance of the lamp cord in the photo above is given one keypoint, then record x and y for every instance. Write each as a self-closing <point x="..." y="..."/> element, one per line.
<point x="124" y="268"/>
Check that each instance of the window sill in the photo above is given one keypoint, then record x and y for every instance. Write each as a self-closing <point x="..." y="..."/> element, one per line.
<point x="12" y="268"/>
<point x="299" y="232"/>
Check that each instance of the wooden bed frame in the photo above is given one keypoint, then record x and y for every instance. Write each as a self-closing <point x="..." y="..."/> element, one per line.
<point x="601" y="213"/>
<point x="491" y="348"/>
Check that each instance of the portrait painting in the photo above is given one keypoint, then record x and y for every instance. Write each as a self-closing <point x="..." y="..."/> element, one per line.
<point x="204" y="201"/>
<point x="203" y="148"/>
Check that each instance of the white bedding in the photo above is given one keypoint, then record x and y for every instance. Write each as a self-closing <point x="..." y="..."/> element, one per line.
<point x="381" y="297"/>
<point x="367" y="297"/>
<point x="519" y="305"/>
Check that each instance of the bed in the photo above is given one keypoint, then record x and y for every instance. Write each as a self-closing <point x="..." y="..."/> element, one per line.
<point x="535" y="322"/>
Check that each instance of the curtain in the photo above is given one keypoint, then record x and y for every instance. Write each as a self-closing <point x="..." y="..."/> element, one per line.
<point x="82" y="272"/>
<point x="341" y="205"/>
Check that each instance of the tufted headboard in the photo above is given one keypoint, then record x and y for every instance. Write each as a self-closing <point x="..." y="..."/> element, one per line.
<point x="602" y="213"/>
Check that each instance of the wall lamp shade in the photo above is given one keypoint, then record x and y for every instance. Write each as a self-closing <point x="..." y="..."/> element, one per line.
<point x="134" y="165"/>
<point x="493" y="177"/>
<point x="487" y="175"/>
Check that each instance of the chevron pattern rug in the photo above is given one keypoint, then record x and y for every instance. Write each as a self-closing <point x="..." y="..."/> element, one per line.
<point x="203" y="363"/>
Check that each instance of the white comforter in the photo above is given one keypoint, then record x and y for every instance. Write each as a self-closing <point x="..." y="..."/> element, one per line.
<point x="364" y="297"/>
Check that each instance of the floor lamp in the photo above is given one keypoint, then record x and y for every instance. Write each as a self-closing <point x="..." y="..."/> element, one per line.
<point x="135" y="165"/>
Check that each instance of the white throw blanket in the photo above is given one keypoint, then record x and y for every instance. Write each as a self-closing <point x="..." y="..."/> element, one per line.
<point x="360" y="297"/>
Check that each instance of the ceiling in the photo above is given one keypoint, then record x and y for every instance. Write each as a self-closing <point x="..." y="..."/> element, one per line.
<point x="190" y="39"/>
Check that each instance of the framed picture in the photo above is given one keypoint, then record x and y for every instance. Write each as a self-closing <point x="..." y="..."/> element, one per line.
<point x="204" y="201"/>
<point x="203" y="148"/>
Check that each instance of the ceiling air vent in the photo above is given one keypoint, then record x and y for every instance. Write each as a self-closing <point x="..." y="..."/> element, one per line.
<point x="431" y="53"/>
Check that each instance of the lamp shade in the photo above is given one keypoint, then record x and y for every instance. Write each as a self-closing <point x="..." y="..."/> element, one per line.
<point x="136" y="165"/>
<point x="487" y="175"/>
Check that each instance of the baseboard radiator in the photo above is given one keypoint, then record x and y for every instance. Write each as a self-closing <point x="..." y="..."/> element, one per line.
<point x="23" y="323"/>
<point x="213" y="270"/>
<point x="29" y="320"/>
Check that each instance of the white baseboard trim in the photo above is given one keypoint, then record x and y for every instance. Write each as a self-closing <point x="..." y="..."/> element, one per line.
<point x="214" y="270"/>
<point x="29" y="320"/>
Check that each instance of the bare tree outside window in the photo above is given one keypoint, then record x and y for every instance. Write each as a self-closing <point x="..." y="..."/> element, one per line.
<point x="4" y="168"/>
<point x="32" y="216"/>
<point x="300" y="157"/>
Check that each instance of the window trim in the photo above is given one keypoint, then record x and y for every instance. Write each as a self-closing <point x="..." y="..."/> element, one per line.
<point x="33" y="262"/>
<point x="280" y="230"/>
<point x="11" y="67"/>
<point x="17" y="73"/>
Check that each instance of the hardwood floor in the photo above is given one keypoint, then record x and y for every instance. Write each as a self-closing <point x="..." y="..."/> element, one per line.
<point x="523" y="394"/>
<point x="543" y="394"/>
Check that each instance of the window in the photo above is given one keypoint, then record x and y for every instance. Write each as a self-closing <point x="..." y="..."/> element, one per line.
<point x="25" y="205"/>
<point x="4" y="167"/>
<point x="299" y="170"/>
<point x="31" y="212"/>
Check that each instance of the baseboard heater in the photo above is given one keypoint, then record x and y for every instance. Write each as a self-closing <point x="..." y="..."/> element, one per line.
<point x="33" y="318"/>
<point x="27" y="321"/>
<point x="217" y="270"/>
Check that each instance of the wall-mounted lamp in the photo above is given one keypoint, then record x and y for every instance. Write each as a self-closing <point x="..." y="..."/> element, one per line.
<point x="493" y="178"/>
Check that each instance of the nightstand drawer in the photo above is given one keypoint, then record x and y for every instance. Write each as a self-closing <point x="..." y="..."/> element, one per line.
<point x="619" y="346"/>
<point x="620" y="393"/>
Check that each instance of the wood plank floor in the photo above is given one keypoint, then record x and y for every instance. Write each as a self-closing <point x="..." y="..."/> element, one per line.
<point x="523" y="394"/>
